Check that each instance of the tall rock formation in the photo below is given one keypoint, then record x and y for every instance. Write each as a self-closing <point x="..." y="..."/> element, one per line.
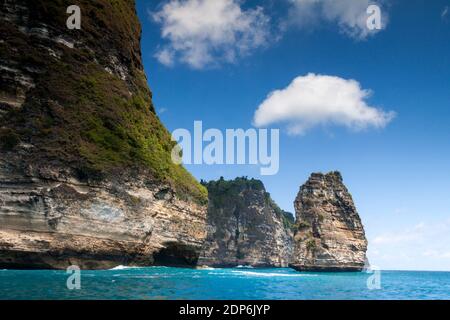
<point x="245" y="226"/>
<point x="86" y="175"/>
<point x="329" y="235"/>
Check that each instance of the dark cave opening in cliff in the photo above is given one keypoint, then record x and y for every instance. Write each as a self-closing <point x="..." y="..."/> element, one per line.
<point x="176" y="255"/>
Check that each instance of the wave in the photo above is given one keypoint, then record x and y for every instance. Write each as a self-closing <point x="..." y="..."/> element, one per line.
<point x="205" y="268"/>
<point x="124" y="268"/>
<point x="141" y="276"/>
<point x="121" y="267"/>
<point x="270" y="274"/>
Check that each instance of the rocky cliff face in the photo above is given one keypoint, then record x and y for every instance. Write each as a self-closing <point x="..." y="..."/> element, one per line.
<point x="86" y="176"/>
<point x="329" y="235"/>
<point x="245" y="226"/>
<point x="85" y="171"/>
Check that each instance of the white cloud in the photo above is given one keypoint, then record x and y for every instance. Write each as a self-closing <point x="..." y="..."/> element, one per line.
<point x="313" y="100"/>
<point x="205" y="33"/>
<point x="349" y="15"/>
<point x="165" y="56"/>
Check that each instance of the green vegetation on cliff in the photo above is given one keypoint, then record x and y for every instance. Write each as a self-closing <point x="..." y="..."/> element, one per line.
<point x="89" y="107"/>
<point x="223" y="191"/>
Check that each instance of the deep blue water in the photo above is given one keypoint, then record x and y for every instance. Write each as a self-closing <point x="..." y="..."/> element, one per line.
<point x="237" y="283"/>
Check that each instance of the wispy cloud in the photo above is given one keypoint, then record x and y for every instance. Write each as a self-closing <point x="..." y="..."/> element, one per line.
<point x="404" y="236"/>
<point x="349" y="16"/>
<point x="440" y="254"/>
<point x="162" y="110"/>
<point x="314" y="100"/>
<point x="423" y="246"/>
<point x="444" y="14"/>
<point x="204" y="33"/>
<point x="165" y="56"/>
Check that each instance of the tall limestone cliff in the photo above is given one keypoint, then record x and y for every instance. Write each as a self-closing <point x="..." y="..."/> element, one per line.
<point x="329" y="235"/>
<point x="245" y="226"/>
<point x="85" y="171"/>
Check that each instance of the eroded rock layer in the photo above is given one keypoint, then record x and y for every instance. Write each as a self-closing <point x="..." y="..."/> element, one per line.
<point x="86" y="176"/>
<point x="245" y="226"/>
<point x="329" y="235"/>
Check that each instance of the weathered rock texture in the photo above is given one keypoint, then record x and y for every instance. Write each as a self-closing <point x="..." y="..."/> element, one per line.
<point x="245" y="226"/>
<point x="329" y="235"/>
<point x="85" y="171"/>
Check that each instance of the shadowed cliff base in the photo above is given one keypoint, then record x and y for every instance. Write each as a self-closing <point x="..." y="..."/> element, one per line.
<point x="328" y="268"/>
<point x="176" y="255"/>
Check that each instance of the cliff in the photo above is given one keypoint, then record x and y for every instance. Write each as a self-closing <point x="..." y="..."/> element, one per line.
<point x="86" y="175"/>
<point x="245" y="226"/>
<point x="329" y="235"/>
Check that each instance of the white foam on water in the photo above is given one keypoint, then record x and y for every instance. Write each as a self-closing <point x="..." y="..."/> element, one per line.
<point x="205" y="268"/>
<point x="124" y="268"/>
<point x="270" y="274"/>
<point x="121" y="267"/>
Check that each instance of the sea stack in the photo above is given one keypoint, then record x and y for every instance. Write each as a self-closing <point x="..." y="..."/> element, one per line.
<point x="329" y="235"/>
<point x="245" y="226"/>
<point x="86" y="176"/>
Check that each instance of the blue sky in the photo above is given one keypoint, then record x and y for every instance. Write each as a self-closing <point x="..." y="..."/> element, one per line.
<point x="397" y="169"/>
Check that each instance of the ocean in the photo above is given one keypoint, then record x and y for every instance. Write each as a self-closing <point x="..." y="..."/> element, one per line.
<point x="223" y="284"/>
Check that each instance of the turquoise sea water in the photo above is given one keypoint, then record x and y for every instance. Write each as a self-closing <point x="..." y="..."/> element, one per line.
<point x="237" y="283"/>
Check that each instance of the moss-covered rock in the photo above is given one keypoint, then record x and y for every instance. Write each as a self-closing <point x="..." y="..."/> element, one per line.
<point x="86" y="175"/>
<point x="86" y="100"/>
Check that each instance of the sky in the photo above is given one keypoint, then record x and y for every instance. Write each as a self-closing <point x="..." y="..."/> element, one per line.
<point x="373" y="104"/>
